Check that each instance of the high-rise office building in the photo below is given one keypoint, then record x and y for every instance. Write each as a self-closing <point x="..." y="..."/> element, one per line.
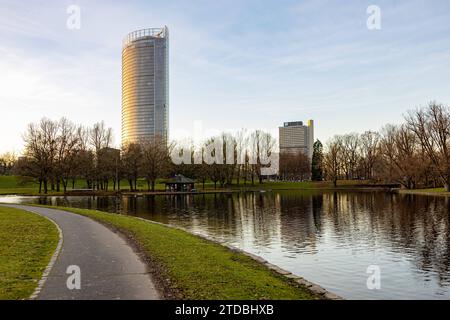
<point x="296" y="137"/>
<point x="145" y="85"/>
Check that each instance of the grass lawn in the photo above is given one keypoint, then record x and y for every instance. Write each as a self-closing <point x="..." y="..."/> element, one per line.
<point x="18" y="185"/>
<point x="200" y="269"/>
<point x="428" y="191"/>
<point x="15" y="185"/>
<point x="27" y="242"/>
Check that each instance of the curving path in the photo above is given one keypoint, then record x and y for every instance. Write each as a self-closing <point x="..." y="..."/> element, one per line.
<point x="109" y="267"/>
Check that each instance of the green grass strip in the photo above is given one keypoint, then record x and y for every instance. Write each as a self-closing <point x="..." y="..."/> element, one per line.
<point x="27" y="242"/>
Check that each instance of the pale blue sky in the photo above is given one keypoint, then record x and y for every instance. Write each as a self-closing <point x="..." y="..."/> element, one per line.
<point x="233" y="64"/>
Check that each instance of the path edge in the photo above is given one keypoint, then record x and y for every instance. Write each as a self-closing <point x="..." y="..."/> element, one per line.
<point x="52" y="261"/>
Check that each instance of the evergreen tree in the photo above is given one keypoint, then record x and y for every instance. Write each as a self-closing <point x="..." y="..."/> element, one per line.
<point x="316" y="163"/>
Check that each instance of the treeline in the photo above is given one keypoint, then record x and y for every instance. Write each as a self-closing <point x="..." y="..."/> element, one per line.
<point x="238" y="158"/>
<point x="59" y="153"/>
<point x="294" y="167"/>
<point x="414" y="154"/>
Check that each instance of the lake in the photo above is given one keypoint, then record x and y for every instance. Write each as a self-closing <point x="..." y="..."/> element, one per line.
<point x="330" y="238"/>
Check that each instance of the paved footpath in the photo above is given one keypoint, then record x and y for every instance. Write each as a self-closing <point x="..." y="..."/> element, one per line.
<point x="109" y="267"/>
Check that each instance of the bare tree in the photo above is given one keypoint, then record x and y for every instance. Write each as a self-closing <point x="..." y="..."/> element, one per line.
<point x="294" y="166"/>
<point x="155" y="160"/>
<point x="109" y="167"/>
<point x="241" y="148"/>
<point x="131" y="159"/>
<point x="67" y="141"/>
<point x="368" y="149"/>
<point x="262" y="145"/>
<point x="401" y="153"/>
<point x="431" y="125"/>
<point x="84" y="159"/>
<point x="333" y="159"/>
<point x="350" y="157"/>
<point x="230" y="158"/>
<point x="100" y="138"/>
<point x="41" y="147"/>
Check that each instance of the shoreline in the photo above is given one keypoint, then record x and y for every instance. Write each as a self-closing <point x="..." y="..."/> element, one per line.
<point x="315" y="288"/>
<point x="208" y="191"/>
<point x="423" y="192"/>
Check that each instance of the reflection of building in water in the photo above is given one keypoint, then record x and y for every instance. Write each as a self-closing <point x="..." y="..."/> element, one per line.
<point x="257" y="220"/>
<point x="299" y="222"/>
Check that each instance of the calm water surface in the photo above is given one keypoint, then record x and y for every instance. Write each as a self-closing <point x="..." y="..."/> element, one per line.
<point x="328" y="238"/>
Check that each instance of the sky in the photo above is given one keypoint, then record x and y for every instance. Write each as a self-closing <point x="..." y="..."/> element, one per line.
<point x="233" y="64"/>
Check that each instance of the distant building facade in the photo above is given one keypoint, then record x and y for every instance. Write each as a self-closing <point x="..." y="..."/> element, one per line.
<point x="145" y="85"/>
<point x="295" y="137"/>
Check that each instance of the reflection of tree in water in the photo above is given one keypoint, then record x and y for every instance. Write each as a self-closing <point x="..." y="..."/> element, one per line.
<point x="429" y="233"/>
<point x="416" y="227"/>
<point x="413" y="227"/>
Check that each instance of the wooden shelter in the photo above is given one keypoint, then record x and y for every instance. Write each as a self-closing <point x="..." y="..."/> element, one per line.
<point x="179" y="183"/>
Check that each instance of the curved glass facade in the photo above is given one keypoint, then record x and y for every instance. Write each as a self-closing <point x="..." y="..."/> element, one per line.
<point x="145" y="85"/>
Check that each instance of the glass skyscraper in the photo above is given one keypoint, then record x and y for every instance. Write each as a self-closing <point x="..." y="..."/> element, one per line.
<point x="145" y="85"/>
